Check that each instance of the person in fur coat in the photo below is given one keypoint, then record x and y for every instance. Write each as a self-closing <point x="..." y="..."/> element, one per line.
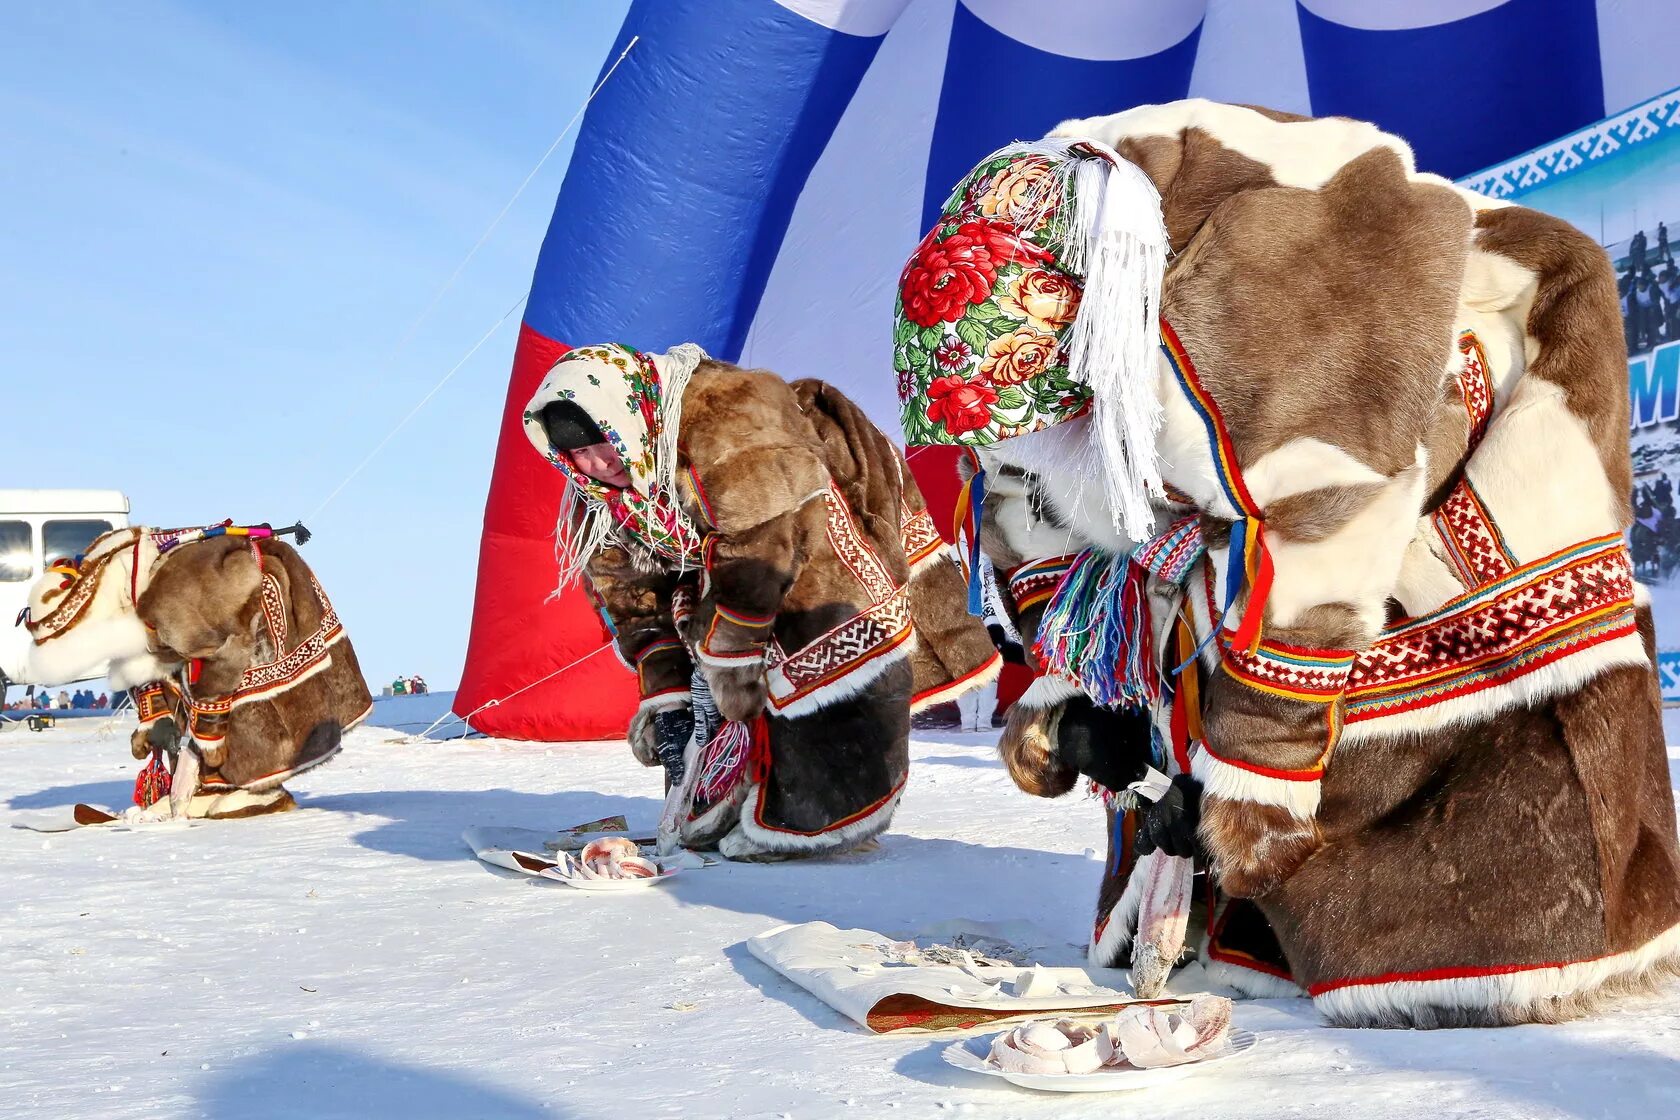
<point x="768" y="567"/>
<point x="241" y="673"/>
<point x="1354" y="546"/>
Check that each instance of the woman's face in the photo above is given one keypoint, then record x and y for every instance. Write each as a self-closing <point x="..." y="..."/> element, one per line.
<point x="602" y="462"/>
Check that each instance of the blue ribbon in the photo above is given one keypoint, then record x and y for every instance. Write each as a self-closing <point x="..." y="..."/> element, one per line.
<point x="976" y="585"/>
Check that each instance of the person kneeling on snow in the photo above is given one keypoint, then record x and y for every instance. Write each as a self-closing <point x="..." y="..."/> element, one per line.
<point x="767" y="565"/>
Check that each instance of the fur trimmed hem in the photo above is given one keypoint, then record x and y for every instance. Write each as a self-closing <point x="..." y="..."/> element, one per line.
<point x="841" y="838"/>
<point x="1251" y="982"/>
<point x="1498" y="996"/>
<point x="854" y="681"/>
<point x="1237" y="783"/>
<point x="1544" y="682"/>
<point x="359" y="720"/>
<point x="233" y="804"/>
<point x="945" y="693"/>
<point x="660" y="701"/>
<point x="274" y="781"/>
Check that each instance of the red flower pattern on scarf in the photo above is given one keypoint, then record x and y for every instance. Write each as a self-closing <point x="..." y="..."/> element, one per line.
<point x="947" y="275"/>
<point x="960" y="405"/>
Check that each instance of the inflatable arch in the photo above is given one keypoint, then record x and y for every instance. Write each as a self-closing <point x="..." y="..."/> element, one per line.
<point x="754" y="174"/>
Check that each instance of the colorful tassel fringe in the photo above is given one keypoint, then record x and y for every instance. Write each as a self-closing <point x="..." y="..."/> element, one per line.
<point x="739" y="750"/>
<point x="1096" y="632"/>
<point x="153" y="782"/>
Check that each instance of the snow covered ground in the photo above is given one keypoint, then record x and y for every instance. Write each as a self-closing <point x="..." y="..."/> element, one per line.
<point x="353" y="960"/>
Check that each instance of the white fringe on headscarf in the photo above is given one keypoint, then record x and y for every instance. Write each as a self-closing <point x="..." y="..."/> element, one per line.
<point x="1114" y="236"/>
<point x="585" y="527"/>
<point x="1114" y="350"/>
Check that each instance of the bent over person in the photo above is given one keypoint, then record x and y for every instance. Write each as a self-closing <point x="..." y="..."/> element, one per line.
<point x="1321" y="465"/>
<point x="768" y="567"/>
<point x="241" y="673"/>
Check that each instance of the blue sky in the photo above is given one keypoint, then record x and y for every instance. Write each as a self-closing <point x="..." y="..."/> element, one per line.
<point x="216" y="223"/>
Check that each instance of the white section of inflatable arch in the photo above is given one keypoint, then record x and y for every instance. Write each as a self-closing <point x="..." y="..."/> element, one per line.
<point x="1397" y="15"/>
<point x="1250" y="52"/>
<point x="852" y="17"/>
<point x="1103" y="30"/>
<point x="1638" y="43"/>
<point x="828" y="314"/>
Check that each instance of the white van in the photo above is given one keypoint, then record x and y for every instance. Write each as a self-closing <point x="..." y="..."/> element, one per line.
<point x="37" y="527"/>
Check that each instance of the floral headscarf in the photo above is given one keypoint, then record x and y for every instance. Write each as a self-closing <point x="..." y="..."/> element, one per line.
<point x="982" y="310"/>
<point x="636" y="401"/>
<point x="1032" y="302"/>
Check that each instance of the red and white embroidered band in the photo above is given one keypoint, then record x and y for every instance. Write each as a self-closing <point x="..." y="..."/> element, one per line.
<point x="1551" y="608"/>
<point x="1313" y="676"/>
<point x="1034" y="583"/>
<point x="921" y="537"/>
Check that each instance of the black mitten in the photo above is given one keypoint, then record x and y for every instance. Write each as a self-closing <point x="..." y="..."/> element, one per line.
<point x="164" y="735"/>
<point x="1011" y="650"/>
<point x="1170" y="823"/>
<point x="671" y="731"/>
<point x="1111" y="747"/>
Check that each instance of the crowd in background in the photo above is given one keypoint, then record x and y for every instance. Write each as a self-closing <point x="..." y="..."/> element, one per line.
<point x="1650" y="292"/>
<point x="83" y="699"/>
<point x="1655" y="536"/>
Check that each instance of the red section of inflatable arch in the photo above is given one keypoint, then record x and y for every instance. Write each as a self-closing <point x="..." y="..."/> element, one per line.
<point x="519" y="634"/>
<point x="935" y="468"/>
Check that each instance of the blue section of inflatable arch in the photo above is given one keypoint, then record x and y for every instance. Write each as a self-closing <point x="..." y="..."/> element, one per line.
<point x="686" y="171"/>
<point x="979" y="111"/>
<point x="1468" y="93"/>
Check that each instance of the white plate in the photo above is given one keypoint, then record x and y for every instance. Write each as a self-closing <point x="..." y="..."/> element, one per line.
<point x="971" y="1054"/>
<point x="583" y="884"/>
<point x="512" y="848"/>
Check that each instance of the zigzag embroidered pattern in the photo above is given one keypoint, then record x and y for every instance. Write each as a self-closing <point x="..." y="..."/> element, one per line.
<point x="285" y="671"/>
<point x="855" y="552"/>
<point x="75" y="602"/>
<point x="1310" y="675"/>
<point x="1472" y="542"/>
<point x="1172" y="554"/>
<point x="847" y="647"/>
<point x="884" y="626"/>
<point x="1541" y="611"/>
<point x="1475" y="385"/>
<point x="921" y="536"/>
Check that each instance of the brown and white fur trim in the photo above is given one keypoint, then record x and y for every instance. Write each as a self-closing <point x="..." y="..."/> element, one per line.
<point x="750" y="838"/>
<point x="1499" y="996"/>
<point x="1047" y="692"/>
<point x="945" y="694"/>
<point x="855" y="681"/>
<point x="640" y="736"/>
<point x="1250" y="982"/>
<point x="1223" y="779"/>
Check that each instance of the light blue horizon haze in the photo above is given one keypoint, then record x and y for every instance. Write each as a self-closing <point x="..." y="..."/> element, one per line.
<point x="218" y="220"/>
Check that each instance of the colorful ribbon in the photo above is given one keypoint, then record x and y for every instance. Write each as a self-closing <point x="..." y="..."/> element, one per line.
<point x="971" y="501"/>
<point x="1250" y="561"/>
